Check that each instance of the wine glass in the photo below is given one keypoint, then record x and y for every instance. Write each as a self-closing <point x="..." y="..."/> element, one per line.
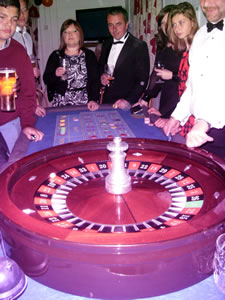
<point x="109" y="69"/>
<point x="219" y="263"/>
<point x="159" y="65"/>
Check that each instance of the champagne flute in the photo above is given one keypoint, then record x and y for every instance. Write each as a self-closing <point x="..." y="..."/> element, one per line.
<point x="109" y="69"/>
<point x="64" y="65"/>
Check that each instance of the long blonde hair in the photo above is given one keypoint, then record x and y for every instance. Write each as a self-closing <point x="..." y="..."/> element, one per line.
<point x="186" y="9"/>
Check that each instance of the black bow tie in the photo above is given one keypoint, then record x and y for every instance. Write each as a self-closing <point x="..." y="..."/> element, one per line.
<point x="211" y="26"/>
<point x="118" y="42"/>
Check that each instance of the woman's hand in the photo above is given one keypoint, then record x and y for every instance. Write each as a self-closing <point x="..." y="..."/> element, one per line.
<point x="59" y="72"/>
<point x="164" y="74"/>
<point x="154" y="111"/>
<point x="141" y="102"/>
<point x="161" y="122"/>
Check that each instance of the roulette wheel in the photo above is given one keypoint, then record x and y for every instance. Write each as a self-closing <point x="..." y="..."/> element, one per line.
<point x="66" y="231"/>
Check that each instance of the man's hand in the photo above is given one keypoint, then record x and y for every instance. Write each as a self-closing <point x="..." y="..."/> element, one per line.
<point x="92" y="105"/>
<point x="33" y="134"/>
<point x="105" y="79"/>
<point x="197" y="136"/>
<point x="122" y="104"/>
<point x="40" y="111"/>
<point x="16" y="86"/>
<point x="36" y="72"/>
<point x="171" y="127"/>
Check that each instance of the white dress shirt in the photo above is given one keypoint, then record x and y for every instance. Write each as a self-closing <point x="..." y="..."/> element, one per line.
<point x="204" y="96"/>
<point x="24" y="38"/>
<point x="115" y="51"/>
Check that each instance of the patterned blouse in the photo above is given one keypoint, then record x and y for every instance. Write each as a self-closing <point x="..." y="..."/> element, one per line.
<point x="76" y="75"/>
<point x="183" y="72"/>
<point x="183" y="76"/>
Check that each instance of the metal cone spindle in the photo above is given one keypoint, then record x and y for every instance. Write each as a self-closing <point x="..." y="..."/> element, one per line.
<point x="118" y="181"/>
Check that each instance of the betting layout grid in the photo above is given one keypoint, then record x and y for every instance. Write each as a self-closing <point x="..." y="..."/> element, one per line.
<point x="90" y="125"/>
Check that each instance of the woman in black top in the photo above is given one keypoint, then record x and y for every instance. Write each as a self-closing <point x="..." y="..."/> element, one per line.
<point x="164" y="77"/>
<point x="71" y="73"/>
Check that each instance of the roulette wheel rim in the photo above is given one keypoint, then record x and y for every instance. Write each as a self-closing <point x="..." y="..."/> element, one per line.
<point x="124" y="259"/>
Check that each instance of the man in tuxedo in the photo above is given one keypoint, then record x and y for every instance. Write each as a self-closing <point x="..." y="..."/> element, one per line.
<point x="205" y="93"/>
<point x="128" y="57"/>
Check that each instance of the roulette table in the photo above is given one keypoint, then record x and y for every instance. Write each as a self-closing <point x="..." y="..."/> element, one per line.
<point x="68" y="233"/>
<point x="66" y="125"/>
<point x="71" y="124"/>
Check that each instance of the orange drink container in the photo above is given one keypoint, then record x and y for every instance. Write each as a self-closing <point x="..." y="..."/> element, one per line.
<point x="7" y="93"/>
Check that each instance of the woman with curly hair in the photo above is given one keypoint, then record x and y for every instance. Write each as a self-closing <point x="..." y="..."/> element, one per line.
<point x="165" y="82"/>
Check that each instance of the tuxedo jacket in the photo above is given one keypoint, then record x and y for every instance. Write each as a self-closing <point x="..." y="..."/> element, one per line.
<point x="131" y="70"/>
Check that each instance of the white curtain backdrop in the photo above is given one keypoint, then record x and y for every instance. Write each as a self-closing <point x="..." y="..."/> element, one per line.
<point x="145" y="23"/>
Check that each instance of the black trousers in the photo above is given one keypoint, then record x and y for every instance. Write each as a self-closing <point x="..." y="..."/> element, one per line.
<point x="218" y="145"/>
<point x="3" y="150"/>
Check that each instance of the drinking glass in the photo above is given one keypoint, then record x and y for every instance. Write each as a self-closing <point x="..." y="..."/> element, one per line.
<point x="159" y="65"/>
<point x="64" y="65"/>
<point x="33" y="60"/>
<point x="219" y="263"/>
<point x="7" y="93"/>
<point x="109" y="69"/>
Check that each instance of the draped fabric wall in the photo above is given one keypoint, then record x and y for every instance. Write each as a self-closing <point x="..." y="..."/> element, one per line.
<point x="33" y="30"/>
<point x="145" y="23"/>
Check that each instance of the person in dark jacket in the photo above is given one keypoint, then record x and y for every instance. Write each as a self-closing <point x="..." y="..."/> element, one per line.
<point x="124" y="62"/>
<point x="71" y="73"/>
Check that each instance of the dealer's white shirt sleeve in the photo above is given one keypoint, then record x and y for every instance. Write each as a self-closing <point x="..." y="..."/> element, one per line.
<point x="204" y="96"/>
